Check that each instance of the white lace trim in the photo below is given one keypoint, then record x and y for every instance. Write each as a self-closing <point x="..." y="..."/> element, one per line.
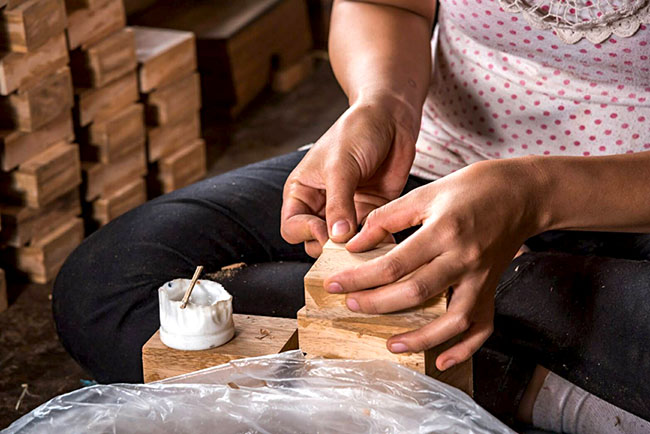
<point x="573" y="20"/>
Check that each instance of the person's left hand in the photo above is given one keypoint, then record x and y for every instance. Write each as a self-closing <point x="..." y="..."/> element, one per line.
<point x="473" y="223"/>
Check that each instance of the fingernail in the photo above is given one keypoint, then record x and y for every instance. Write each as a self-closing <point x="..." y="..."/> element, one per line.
<point x="448" y="364"/>
<point x="398" y="347"/>
<point x="353" y="305"/>
<point x="334" y="287"/>
<point x="339" y="228"/>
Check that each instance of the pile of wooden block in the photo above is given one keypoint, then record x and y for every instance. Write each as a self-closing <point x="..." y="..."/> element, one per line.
<point x="171" y="94"/>
<point x="39" y="168"/>
<point x="109" y="121"/>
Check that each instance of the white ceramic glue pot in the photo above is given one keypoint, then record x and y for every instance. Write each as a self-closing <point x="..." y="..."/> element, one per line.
<point x="206" y="322"/>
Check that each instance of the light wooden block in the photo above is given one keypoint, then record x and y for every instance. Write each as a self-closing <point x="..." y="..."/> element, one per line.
<point x="41" y="261"/>
<point x="3" y="291"/>
<point x="122" y="200"/>
<point x="102" y="179"/>
<point x="31" y="108"/>
<point x="108" y="140"/>
<point x="105" y="61"/>
<point x="183" y="167"/>
<point x="100" y="104"/>
<point x="19" y="69"/>
<point x="254" y="336"/>
<point x="44" y="177"/>
<point x="165" y="140"/>
<point x="89" y="25"/>
<point x="22" y="225"/>
<point x="163" y="56"/>
<point x="18" y="147"/>
<point x="30" y="24"/>
<point x="172" y="102"/>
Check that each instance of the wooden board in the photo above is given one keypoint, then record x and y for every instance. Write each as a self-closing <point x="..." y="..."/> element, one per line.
<point x="41" y="261"/>
<point x="105" y="61"/>
<point x="31" y="24"/>
<point x="89" y="25"/>
<point x="160" y="361"/>
<point x="108" y="140"/>
<point x="3" y="291"/>
<point x="102" y="179"/>
<point x="19" y="69"/>
<point x="31" y="108"/>
<point x="183" y="167"/>
<point x="172" y="102"/>
<point x="100" y="104"/>
<point x="163" y="56"/>
<point x="333" y="339"/>
<point x="44" y="177"/>
<point x="122" y="200"/>
<point x="22" y="225"/>
<point x="167" y="139"/>
<point x="18" y="147"/>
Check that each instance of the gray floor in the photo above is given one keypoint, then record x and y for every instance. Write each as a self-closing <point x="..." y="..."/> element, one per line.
<point x="274" y="124"/>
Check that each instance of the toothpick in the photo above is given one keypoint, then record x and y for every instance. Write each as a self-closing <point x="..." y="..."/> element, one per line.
<point x="186" y="297"/>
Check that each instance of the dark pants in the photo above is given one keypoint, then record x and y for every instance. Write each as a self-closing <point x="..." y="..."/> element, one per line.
<point x="578" y="304"/>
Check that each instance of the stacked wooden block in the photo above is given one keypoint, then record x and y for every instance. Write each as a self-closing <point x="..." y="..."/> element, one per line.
<point x="39" y="168"/>
<point x="171" y="93"/>
<point x="109" y="120"/>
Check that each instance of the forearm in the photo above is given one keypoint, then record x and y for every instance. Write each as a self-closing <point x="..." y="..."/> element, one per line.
<point x="380" y="51"/>
<point x="609" y="193"/>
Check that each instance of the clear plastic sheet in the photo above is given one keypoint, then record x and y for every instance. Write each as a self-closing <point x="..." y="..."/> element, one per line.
<point x="282" y="393"/>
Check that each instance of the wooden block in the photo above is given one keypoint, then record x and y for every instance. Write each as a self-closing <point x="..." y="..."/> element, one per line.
<point x="22" y="225"/>
<point x="163" y="56"/>
<point x="108" y="140"/>
<point x="3" y="291"/>
<point x="167" y="139"/>
<point x="73" y="5"/>
<point x="170" y="103"/>
<point x="89" y="25"/>
<point x="19" y="69"/>
<point x="41" y="261"/>
<point x="286" y="79"/>
<point x="105" y="179"/>
<point x="18" y="147"/>
<point x="100" y="104"/>
<point x="32" y="107"/>
<point x="104" y="61"/>
<point x="30" y="24"/>
<point x="183" y="167"/>
<point x="251" y="340"/>
<point x="122" y="200"/>
<point x="334" y="339"/>
<point x="44" y="177"/>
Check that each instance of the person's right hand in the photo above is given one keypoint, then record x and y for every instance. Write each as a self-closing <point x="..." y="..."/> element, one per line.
<point x="361" y="163"/>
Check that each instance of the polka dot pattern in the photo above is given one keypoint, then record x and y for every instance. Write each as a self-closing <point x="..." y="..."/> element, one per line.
<point x="503" y="89"/>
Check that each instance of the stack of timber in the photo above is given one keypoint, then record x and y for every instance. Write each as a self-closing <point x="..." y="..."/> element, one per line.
<point x="171" y="94"/>
<point x="39" y="163"/>
<point x="109" y="120"/>
<point x="242" y="46"/>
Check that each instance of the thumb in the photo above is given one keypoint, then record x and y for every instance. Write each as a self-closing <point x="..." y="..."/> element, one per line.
<point x="340" y="184"/>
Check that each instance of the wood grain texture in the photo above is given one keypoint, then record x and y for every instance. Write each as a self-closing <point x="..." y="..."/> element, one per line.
<point x="20" y="69"/>
<point x="30" y="108"/>
<point x="165" y="140"/>
<point x="160" y="361"/>
<point x="183" y="167"/>
<point x="163" y="56"/>
<point x="102" y="179"/>
<point x="105" y="61"/>
<point x="108" y="140"/>
<point x="18" y="147"/>
<point x="172" y="102"/>
<point x="31" y="24"/>
<point x="22" y="225"/>
<point x="41" y="261"/>
<point x="122" y="200"/>
<point x="89" y="25"/>
<point x="3" y="291"/>
<point x="95" y="105"/>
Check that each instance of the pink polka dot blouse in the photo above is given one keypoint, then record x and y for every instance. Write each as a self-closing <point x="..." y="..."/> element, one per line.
<point x="503" y="87"/>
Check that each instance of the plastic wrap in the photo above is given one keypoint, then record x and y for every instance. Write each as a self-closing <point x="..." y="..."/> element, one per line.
<point x="282" y="393"/>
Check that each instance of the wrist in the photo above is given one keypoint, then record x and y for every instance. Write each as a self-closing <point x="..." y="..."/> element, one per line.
<point x="398" y="107"/>
<point x="539" y="188"/>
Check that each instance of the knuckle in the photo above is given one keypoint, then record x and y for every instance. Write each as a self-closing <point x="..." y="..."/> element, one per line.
<point x="393" y="269"/>
<point x="461" y="322"/>
<point x="368" y="304"/>
<point x="417" y="291"/>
